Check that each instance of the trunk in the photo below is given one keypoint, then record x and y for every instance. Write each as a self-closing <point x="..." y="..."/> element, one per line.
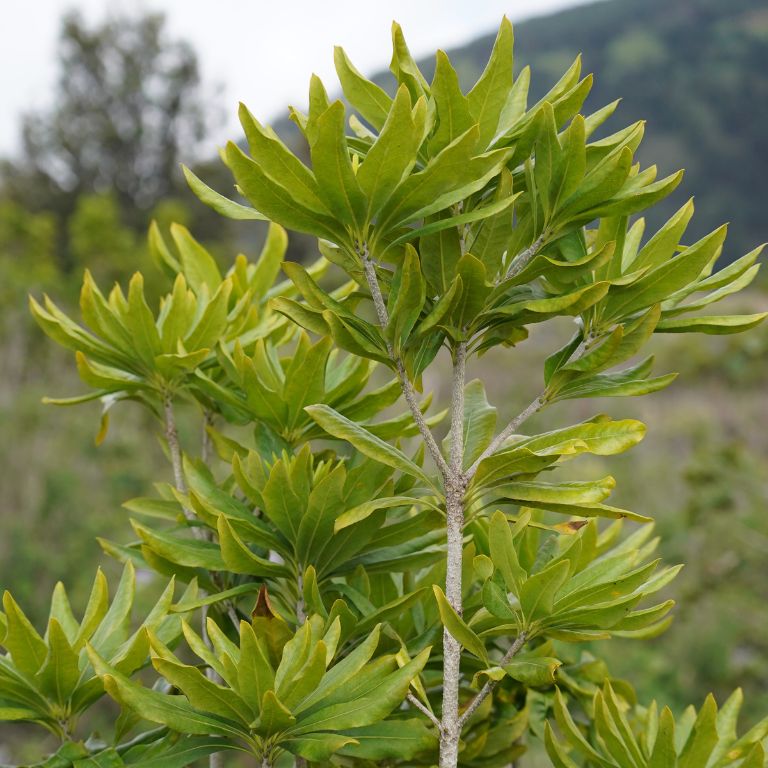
<point x="454" y="498"/>
<point x="449" y="740"/>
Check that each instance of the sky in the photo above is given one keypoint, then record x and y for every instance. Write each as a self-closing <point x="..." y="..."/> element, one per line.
<point x="262" y="51"/>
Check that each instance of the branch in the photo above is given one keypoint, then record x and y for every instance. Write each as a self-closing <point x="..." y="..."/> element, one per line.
<point x="172" y="436"/>
<point x="416" y="703"/>
<point x="405" y="384"/>
<point x="457" y="410"/>
<point x="515" y="424"/>
<point x="205" y="448"/>
<point x="508" y="431"/>
<point x="519" y="264"/>
<point x="489" y="686"/>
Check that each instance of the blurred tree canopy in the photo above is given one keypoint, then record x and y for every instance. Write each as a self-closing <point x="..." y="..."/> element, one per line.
<point x="129" y="107"/>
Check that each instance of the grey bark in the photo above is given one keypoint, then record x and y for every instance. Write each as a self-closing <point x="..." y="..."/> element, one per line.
<point x="455" y="488"/>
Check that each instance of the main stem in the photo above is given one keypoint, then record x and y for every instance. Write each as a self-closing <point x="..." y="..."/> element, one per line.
<point x="454" y="496"/>
<point x="455" y="488"/>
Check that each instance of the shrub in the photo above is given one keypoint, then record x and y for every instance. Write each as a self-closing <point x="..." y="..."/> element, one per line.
<point x="359" y="603"/>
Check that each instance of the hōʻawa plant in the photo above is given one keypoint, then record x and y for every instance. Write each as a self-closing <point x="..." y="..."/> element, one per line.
<point x="359" y="603"/>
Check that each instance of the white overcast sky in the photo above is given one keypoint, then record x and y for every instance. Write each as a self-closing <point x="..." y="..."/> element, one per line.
<point x="262" y="51"/>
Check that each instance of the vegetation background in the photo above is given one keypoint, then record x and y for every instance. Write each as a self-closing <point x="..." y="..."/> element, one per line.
<point x="99" y="167"/>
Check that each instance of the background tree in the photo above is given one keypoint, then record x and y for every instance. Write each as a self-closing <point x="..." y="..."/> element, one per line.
<point x="128" y="107"/>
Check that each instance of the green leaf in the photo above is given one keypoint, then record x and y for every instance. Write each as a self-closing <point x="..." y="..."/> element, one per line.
<point x="305" y="384"/>
<point x="492" y="237"/>
<point x="419" y="190"/>
<point x="59" y="673"/>
<point x="458" y="629"/>
<point x="440" y="254"/>
<point x="316" y="746"/>
<point x="159" y="508"/>
<point x="165" y="261"/>
<point x="667" y="278"/>
<point x="635" y="196"/>
<point x="213" y="322"/>
<point x="281" y="165"/>
<point x="474" y="292"/>
<point x="317" y="525"/>
<point x="222" y="205"/>
<point x="239" y="559"/>
<point x="186" y="606"/>
<point x="603" y="386"/>
<point x="715" y="326"/>
<point x="406" y="299"/>
<point x="569" y="168"/>
<point x="573" y="734"/>
<point x="647" y="633"/>
<point x="404" y="68"/>
<point x="344" y="429"/>
<point x="644" y="618"/>
<point x="664" y="755"/>
<point x="530" y="492"/>
<point x="389" y="611"/>
<point x="392" y="154"/>
<point x="141" y="324"/>
<point x="173" y="711"/>
<point x="556" y="753"/>
<point x="185" y="751"/>
<point x="599" y="184"/>
<point x="452" y="106"/>
<point x="274" y="717"/>
<point x="366" y="97"/>
<point x="503" y="551"/>
<point x="276" y="202"/>
<point x="458" y="222"/>
<point x="490" y="93"/>
<point x="536" y="672"/>
<point x="333" y="169"/>
<point x="22" y="640"/>
<point x="603" y="438"/>
<point x="203" y="694"/>
<point x="95" y="611"/>
<point x="661" y="247"/>
<point x="189" y="552"/>
<point x="61" y="611"/>
<point x="364" y="510"/>
<point x="366" y="708"/>
<point x="197" y="264"/>
<point x="548" y="151"/>
<point x="254" y="673"/>
<point x="398" y="739"/>
<point x="538" y="592"/>
<point x="340" y="674"/>
<point x="703" y="738"/>
<point x="282" y="505"/>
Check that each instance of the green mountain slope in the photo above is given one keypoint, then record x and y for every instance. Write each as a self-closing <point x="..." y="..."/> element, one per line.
<point x="695" y="70"/>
